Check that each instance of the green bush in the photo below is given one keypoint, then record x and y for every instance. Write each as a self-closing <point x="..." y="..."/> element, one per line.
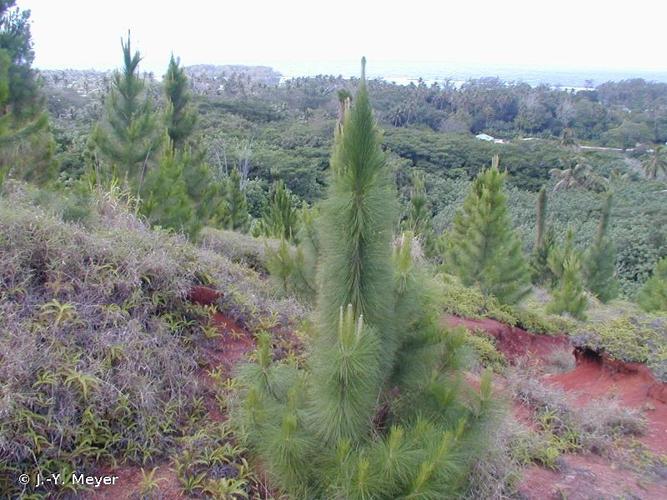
<point x="484" y="347"/>
<point x="239" y="247"/>
<point x="628" y="338"/>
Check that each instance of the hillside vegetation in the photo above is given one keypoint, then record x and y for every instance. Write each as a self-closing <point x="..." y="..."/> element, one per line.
<point x="231" y="288"/>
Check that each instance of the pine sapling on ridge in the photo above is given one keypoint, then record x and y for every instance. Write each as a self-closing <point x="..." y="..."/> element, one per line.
<point x="653" y="296"/>
<point x="544" y="243"/>
<point x="570" y="297"/>
<point x="381" y="410"/>
<point x="600" y="262"/>
<point x="483" y="249"/>
<point x="129" y="135"/>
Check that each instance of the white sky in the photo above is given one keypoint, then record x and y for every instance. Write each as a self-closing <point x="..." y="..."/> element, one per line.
<point x="567" y="34"/>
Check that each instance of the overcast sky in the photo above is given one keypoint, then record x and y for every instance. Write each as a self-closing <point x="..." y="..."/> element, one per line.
<point x="567" y="34"/>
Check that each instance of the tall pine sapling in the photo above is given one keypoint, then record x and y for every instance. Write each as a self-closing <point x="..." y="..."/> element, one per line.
<point x="379" y="413"/>
<point x="559" y="255"/>
<point x="180" y="117"/>
<point x="235" y="215"/>
<point x="26" y="143"/>
<point x="600" y="261"/>
<point x="418" y="220"/>
<point x="483" y="249"/>
<point x="544" y="244"/>
<point x="280" y="218"/>
<point x="128" y="136"/>
<point x="165" y="200"/>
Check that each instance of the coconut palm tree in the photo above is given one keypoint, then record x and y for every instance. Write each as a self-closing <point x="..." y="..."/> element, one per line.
<point x="567" y="137"/>
<point x="656" y="163"/>
<point x="577" y="175"/>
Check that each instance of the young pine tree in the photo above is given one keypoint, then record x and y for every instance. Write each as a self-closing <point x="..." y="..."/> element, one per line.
<point x="483" y="249"/>
<point x="418" y="220"/>
<point x="294" y="268"/>
<point x="235" y="215"/>
<point x="281" y="217"/>
<point x="600" y="262"/>
<point x="180" y="118"/>
<point x="205" y="191"/>
<point x="559" y="255"/>
<point x="569" y="297"/>
<point x="653" y="296"/>
<point x="379" y="413"/>
<point x="129" y="135"/>
<point x="544" y="243"/>
<point x="26" y="143"/>
<point x="165" y="197"/>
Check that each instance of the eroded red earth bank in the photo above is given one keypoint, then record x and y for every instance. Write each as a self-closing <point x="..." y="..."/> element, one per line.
<point x="581" y="476"/>
<point x="632" y="385"/>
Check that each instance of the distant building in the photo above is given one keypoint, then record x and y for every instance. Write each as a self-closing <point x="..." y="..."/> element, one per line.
<point x="486" y="137"/>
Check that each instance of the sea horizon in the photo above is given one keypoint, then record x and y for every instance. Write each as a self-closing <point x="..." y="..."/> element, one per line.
<point x="405" y="73"/>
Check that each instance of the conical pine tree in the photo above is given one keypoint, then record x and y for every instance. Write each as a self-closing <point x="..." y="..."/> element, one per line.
<point x="338" y="430"/>
<point x="281" y="217"/>
<point x="129" y="135"/>
<point x="653" y="296"/>
<point x="357" y="221"/>
<point x="483" y="249"/>
<point x="418" y="220"/>
<point x="26" y="143"/>
<point x="545" y="242"/>
<point x="235" y="215"/>
<point x="180" y="118"/>
<point x="559" y="255"/>
<point x="600" y="263"/>
<point x="570" y="297"/>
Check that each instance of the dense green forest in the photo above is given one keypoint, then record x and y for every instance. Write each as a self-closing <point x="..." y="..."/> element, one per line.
<point x="251" y="285"/>
<point x="606" y="139"/>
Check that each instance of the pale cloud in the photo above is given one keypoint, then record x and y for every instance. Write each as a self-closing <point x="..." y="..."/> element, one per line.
<point x="560" y="34"/>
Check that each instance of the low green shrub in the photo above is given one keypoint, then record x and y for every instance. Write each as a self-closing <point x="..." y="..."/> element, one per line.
<point x="240" y="248"/>
<point x="468" y="302"/>
<point x="628" y="338"/>
<point x="484" y="347"/>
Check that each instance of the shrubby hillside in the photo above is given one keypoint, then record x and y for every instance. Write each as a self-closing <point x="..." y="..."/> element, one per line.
<point x="100" y="345"/>
<point x="215" y="286"/>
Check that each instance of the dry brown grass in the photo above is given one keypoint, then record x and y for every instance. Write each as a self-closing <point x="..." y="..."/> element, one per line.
<point x="98" y="350"/>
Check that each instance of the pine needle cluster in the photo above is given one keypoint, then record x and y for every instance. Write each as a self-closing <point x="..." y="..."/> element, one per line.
<point x="569" y="297"/>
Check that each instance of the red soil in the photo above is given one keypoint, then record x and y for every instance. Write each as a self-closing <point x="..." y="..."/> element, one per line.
<point x="129" y="483"/>
<point x="591" y="476"/>
<point x="515" y="342"/>
<point x="631" y="384"/>
<point x="233" y="345"/>
<point x="203" y="295"/>
<point x="584" y="477"/>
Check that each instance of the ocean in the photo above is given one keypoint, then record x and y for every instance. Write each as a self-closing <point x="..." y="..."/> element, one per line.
<point x="402" y="72"/>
